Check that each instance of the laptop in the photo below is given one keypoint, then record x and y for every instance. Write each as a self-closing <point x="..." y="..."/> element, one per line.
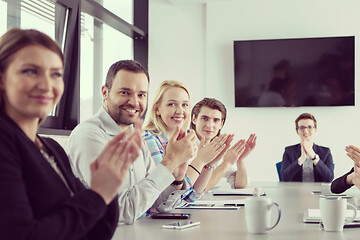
<point x="313" y="216"/>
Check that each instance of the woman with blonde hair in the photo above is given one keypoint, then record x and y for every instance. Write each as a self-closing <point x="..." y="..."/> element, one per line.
<point x="171" y="110"/>
<point x="177" y="96"/>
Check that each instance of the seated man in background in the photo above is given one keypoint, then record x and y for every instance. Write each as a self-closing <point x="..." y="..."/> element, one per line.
<point x="207" y="118"/>
<point x="306" y="161"/>
<point x="146" y="185"/>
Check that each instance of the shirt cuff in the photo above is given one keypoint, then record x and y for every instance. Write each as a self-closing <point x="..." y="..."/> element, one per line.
<point x="174" y="198"/>
<point x="345" y="183"/>
<point x="161" y="176"/>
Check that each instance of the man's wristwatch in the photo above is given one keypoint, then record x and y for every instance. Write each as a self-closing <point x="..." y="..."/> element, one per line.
<point x="315" y="157"/>
<point x="177" y="183"/>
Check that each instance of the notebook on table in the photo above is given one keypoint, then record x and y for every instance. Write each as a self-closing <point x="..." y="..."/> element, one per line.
<point x="235" y="192"/>
<point x="213" y="204"/>
<point x="313" y="216"/>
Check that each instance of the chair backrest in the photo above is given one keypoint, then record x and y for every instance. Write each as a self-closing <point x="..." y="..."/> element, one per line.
<point x="278" y="168"/>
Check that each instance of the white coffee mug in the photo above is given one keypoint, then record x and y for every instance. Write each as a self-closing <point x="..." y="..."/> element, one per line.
<point x="258" y="214"/>
<point x="333" y="213"/>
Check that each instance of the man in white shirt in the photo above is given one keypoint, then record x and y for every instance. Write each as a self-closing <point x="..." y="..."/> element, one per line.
<point x="146" y="185"/>
<point x="207" y="119"/>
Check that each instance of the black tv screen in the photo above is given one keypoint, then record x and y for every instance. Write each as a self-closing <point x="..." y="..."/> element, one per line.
<point x="295" y="72"/>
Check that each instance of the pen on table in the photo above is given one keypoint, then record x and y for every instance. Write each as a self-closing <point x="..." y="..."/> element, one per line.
<point x="233" y="205"/>
<point x="199" y="205"/>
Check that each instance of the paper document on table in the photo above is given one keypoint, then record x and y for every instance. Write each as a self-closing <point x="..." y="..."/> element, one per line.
<point x="214" y="204"/>
<point x="231" y="191"/>
<point x="313" y="215"/>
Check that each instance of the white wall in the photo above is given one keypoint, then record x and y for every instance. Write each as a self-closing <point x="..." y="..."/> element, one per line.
<point x="176" y="51"/>
<point x="193" y="43"/>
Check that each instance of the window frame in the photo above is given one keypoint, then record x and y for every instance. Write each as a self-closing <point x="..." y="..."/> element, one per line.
<point x="67" y="114"/>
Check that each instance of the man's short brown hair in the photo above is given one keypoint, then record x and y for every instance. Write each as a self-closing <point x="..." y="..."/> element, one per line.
<point x="305" y="116"/>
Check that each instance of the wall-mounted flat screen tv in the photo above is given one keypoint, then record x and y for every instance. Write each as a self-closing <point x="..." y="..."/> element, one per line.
<point x="295" y="72"/>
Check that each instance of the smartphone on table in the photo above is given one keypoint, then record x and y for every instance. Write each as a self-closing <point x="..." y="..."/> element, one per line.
<point x="180" y="225"/>
<point x="171" y="215"/>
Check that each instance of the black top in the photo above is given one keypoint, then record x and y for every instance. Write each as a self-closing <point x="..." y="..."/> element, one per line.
<point x="339" y="185"/>
<point x="34" y="201"/>
<point x="291" y="171"/>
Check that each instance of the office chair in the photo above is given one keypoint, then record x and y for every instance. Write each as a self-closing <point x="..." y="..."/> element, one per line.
<point x="278" y="168"/>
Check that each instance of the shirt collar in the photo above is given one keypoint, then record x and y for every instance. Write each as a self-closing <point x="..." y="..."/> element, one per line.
<point x="109" y="125"/>
<point x="163" y="138"/>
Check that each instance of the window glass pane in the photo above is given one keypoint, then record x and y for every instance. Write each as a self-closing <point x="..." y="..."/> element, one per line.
<point x="86" y="66"/>
<point x="114" y="46"/>
<point x="39" y="15"/>
<point x="3" y="17"/>
<point x="117" y="46"/>
<point x="124" y="9"/>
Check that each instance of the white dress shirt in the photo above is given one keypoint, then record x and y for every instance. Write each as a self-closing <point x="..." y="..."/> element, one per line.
<point x="228" y="179"/>
<point x="146" y="185"/>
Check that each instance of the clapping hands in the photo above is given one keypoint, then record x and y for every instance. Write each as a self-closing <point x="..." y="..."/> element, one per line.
<point x="249" y="146"/>
<point x="179" y="150"/>
<point x="211" y="152"/>
<point x="354" y="154"/>
<point x="240" y="150"/>
<point x="110" y="167"/>
<point x="306" y="150"/>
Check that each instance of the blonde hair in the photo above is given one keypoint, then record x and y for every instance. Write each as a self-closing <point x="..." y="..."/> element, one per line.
<point x="153" y="121"/>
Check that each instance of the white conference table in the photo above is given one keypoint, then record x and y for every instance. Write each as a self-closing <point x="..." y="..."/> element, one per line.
<point x="293" y="198"/>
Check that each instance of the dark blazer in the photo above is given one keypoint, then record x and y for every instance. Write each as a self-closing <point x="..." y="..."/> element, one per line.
<point x="34" y="201"/>
<point x="292" y="172"/>
<point x="339" y="185"/>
